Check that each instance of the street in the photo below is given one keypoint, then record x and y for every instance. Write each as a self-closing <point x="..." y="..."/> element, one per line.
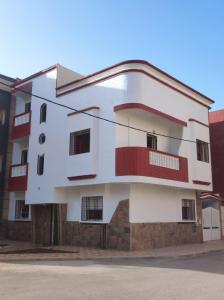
<point x="193" y="277"/>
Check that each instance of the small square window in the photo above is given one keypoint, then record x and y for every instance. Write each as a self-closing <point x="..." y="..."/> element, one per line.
<point x="21" y="210"/>
<point x="92" y="208"/>
<point x="152" y="141"/>
<point x="188" y="210"/>
<point x="202" y="151"/>
<point x="80" y="142"/>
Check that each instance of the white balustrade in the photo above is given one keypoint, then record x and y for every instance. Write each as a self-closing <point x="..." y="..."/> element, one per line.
<point x="22" y="119"/>
<point x="164" y="160"/>
<point x="18" y="171"/>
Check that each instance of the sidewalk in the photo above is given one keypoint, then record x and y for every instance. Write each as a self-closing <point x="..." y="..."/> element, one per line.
<point x="21" y="251"/>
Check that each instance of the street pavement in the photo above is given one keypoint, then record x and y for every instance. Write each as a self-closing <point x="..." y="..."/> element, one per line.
<point x="188" y="277"/>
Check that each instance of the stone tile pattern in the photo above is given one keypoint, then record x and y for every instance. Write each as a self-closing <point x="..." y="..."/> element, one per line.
<point x="84" y="234"/>
<point x="115" y="235"/>
<point x="118" y="230"/>
<point x="158" y="235"/>
<point x="19" y="230"/>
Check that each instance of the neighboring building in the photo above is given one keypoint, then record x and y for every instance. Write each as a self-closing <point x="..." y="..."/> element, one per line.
<point x="85" y="181"/>
<point x="5" y="101"/>
<point x="213" y="203"/>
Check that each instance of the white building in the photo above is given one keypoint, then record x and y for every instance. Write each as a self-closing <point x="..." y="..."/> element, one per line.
<point x="87" y="181"/>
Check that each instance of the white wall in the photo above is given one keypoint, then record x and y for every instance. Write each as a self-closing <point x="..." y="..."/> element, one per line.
<point x="150" y="203"/>
<point x="112" y="195"/>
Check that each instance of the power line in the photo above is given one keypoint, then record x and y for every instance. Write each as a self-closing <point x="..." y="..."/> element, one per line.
<point x="97" y="117"/>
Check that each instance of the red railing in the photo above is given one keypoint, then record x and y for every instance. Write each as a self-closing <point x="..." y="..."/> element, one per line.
<point x="140" y="161"/>
<point x="21" y="125"/>
<point x="18" y="177"/>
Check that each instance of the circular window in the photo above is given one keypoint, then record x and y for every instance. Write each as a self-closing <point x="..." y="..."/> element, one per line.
<point x="42" y="138"/>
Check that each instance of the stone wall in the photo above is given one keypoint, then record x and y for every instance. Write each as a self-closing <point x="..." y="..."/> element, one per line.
<point x="84" y="234"/>
<point x="118" y="230"/>
<point x="19" y="230"/>
<point x="158" y="235"/>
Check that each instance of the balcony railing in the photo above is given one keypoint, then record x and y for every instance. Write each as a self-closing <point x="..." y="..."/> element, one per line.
<point x="18" y="177"/>
<point x="140" y="161"/>
<point x="21" y="125"/>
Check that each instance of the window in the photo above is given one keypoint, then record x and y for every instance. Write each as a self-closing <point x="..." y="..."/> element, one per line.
<point x="202" y="151"/>
<point x="92" y="208"/>
<point x="21" y="210"/>
<point x="80" y="142"/>
<point x="27" y="106"/>
<point x="40" y="164"/>
<point x="24" y="154"/>
<point x="2" y="116"/>
<point x="1" y="163"/>
<point x="151" y="141"/>
<point x="42" y="138"/>
<point x="188" y="210"/>
<point x="43" y="113"/>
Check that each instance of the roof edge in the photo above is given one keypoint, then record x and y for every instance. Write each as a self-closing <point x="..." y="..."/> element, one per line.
<point x="138" y="61"/>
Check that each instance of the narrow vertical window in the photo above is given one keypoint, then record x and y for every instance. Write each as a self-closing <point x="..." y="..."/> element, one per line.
<point x="2" y="116"/>
<point x="188" y="210"/>
<point x="43" y="113"/>
<point x="24" y="155"/>
<point x="27" y="107"/>
<point x="40" y="164"/>
<point x="151" y="141"/>
<point x="202" y="151"/>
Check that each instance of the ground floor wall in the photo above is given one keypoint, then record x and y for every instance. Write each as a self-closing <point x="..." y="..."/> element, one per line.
<point x="135" y="217"/>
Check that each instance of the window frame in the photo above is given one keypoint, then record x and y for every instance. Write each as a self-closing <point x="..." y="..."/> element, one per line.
<point x="19" y="217"/>
<point x="193" y="212"/>
<point x="84" y="214"/>
<point x="154" y="141"/>
<point x="27" y="107"/>
<point x="72" y="143"/>
<point x="202" y="151"/>
<point x="24" y="154"/>
<point x="3" y="116"/>
<point x="40" y="168"/>
<point x="43" y="113"/>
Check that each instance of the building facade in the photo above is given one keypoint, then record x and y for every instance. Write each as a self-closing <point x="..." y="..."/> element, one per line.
<point x="213" y="203"/>
<point x="5" y="104"/>
<point x="118" y="163"/>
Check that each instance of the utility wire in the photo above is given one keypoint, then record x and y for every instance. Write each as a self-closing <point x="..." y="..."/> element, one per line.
<point x="97" y="117"/>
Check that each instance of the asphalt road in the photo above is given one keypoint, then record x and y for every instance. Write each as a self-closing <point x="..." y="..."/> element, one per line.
<point x="200" y="277"/>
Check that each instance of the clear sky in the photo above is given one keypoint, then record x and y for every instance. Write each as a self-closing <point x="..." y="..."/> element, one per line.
<point x="183" y="38"/>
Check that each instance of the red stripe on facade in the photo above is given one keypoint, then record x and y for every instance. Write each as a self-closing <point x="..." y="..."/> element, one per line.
<point x="201" y="182"/>
<point x="136" y="62"/>
<point x="134" y="161"/>
<point x="18" y="183"/>
<point x="149" y="109"/>
<point x="199" y="122"/>
<point x="81" y="177"/>
<point x="22" y="130"/>
<point x="83" y="110"/>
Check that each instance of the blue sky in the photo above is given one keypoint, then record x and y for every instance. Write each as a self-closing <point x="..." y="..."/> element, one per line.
<point x="184" y="38"/>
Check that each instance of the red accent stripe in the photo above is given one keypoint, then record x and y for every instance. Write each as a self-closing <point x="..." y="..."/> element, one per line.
<point x="81" y="177"/>
<point x="134" y="161"/>
<point x="201" y="182"/>
<point x="24" y="87"/>
<point x="138" y="62"/>
<point x="149" y="109"/>
<point x="83" y="110"/>
<point x="199" y="122"/>
<point x="21" y="130"/>
<point x="34" y="75"/>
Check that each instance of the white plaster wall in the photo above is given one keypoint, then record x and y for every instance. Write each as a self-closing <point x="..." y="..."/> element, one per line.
<point x="150" y="203"/>
<point x="17" y="149"/>
<point x="21" y="100"/>
<point x="132" y="87"/>
<point x="112" y="195"/>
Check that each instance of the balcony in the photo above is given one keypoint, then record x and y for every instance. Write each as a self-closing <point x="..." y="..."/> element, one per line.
<point x="140" y="161"/>
<point x="21" y="125"/>
<point x="18" y="177"/>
